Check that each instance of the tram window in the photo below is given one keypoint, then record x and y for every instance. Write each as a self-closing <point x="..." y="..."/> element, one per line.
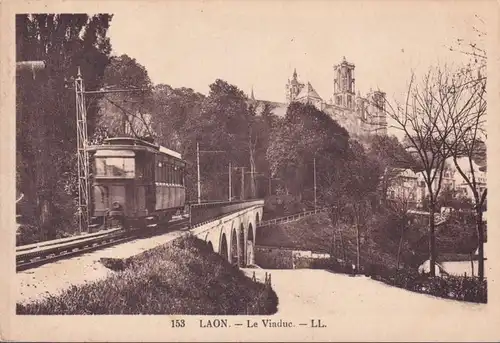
<point x="121" y="167"/>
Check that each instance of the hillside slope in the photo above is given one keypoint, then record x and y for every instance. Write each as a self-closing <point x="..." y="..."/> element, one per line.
<point x="183" y="277"/>
<point x="379" y="243"/>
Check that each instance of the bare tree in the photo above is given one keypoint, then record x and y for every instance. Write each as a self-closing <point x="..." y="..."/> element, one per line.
<point x="428" y="132"/>
<point x="469" y="129"/>
<point x="470" y="136"/>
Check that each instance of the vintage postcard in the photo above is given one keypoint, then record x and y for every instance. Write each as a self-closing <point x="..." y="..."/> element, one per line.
<point x="249" y="171"/>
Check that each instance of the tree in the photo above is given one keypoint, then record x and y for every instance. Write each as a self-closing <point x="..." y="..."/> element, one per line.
<point x="391" y="157"/>
<point x="398" y="207"/>
<point x="45" y="106"/>
<point x="469" y="136"/>
<point x="126" y="113"/>
<point x="304" y="133"/>
<point x="173" y="112"/>
<point x="362" y="184"/>
<point x="429" y="132"/>
<point x="347" y="188"/>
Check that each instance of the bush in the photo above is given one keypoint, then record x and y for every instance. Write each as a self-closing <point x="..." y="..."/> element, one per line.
<point x="330" y="264"/>
<point x="28" y="234"/>
<point x="184" y="277"/>
<point x="452" y="287"/>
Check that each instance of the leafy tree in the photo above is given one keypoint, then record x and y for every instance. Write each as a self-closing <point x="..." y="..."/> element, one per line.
<point x="173" y="112"/>
<point x="126" y="113"/>
<point x="391" y="157"/>
<point x="45" y="106"/>
<point x="304" y="133"/>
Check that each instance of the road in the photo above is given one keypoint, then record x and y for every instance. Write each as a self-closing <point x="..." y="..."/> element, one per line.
<point x="363" y="309"/>
<point x="54" y="278"/>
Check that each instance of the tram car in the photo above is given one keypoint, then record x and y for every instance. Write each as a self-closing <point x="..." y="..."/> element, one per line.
<point x="135" y="184"/>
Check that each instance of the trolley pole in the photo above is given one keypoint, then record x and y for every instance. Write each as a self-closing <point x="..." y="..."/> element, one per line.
<point x="230" y="182"/>
<point x="198" y="167"/>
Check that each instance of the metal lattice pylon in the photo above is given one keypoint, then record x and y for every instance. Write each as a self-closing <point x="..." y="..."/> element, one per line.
<point x="83" y="158"/>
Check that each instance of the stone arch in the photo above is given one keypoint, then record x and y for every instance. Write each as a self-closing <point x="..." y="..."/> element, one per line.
<point x="250" y="256"/>
<point x="241" y="246"/>
<point x="257" y="219"/>
<point x="233" y="252"/>
<point x="223" y="248"/>
<point x="210" y="245"/>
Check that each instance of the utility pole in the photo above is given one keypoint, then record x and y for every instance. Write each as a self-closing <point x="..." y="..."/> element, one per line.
<point x="83" y="157"/>
<point x="230" y="182"/>
<point x="198" y="167"/>
<point x="314" y="182"/>
<point x="270" y="185"/>
<point x="242" y="194"/>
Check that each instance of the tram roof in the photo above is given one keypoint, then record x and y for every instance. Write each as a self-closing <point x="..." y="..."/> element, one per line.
<point x="130" y="143"/>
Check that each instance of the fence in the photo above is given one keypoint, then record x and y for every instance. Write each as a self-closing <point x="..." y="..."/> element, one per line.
<point x="292" y="218"/>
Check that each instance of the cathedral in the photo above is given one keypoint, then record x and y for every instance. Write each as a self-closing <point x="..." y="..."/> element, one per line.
<point x="360" y="116"/>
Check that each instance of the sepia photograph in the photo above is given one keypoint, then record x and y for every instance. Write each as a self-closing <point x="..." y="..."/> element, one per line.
<point x="308" y="170"/>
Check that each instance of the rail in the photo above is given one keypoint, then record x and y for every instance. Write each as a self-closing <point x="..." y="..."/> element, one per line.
<point x="291" y="218"/>
<point x="34" y="255"/>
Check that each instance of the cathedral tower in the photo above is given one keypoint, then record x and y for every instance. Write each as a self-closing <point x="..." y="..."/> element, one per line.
<point x="377" y="100"/>
<point x="344" y="85"/>
<point x="293" y="88"/>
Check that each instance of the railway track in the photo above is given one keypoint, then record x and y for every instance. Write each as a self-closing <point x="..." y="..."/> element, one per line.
<point x="35" y="255"/>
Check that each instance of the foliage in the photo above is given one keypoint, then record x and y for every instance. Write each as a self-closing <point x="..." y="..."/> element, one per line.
<point x="305" y="133"/>
<point x="46" y="121"/>
<point x="227" y="128"/>
<point x="185" y="277"/>
<point x="125" y="113"/>
<point x="452" y="287"/>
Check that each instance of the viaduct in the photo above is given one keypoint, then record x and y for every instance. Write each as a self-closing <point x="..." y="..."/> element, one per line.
<point x="232" y="234"/>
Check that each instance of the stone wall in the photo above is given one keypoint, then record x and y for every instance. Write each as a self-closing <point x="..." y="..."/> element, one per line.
<point x="285" y="258"/>
<point x="273" y="257"/>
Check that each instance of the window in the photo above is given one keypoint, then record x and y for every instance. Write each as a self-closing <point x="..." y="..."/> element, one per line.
<point x="119" y="167"/>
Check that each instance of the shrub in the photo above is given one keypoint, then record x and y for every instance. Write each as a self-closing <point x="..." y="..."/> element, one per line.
<point x="452" y="287"/>
<point x="28" y="234"/>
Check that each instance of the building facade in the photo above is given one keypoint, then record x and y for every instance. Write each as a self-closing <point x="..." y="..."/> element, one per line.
<point x="407" y="182"/>
<point x="360" y="116"/>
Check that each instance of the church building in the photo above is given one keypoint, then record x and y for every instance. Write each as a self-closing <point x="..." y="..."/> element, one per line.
<point x="360" y="116"/>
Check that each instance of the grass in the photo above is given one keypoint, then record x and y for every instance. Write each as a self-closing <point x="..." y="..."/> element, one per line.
<point x="183" y="277"/>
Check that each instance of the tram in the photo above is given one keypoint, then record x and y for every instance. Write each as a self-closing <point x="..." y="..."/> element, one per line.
<point x="135" y="184"/>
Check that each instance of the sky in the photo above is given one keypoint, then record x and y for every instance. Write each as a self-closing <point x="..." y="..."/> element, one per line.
<point x="259" y="43"/>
